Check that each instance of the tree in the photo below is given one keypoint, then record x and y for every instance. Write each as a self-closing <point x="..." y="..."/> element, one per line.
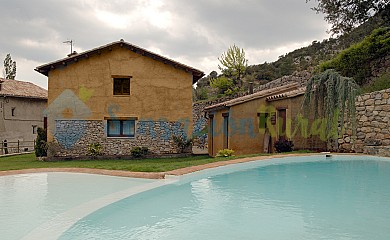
<point x="199" y="93"/>
<point x="213" y="75"/>
<point x="222" y="84"/>
<point x="233" y="63"/>
<point x="345" y="15"/>
<point x="356" y="61"/>
<point x="9" y="67"/>
<point x="332" y="98"/>
<point x="41" y="143"/>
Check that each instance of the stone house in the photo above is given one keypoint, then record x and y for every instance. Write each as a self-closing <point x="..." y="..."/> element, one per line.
<point x="21" y="108"/>
<point x="120" y="96"/>
<point x="253" y="123"/>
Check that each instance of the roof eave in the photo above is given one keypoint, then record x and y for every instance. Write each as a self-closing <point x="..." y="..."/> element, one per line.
<point x="21" y="96"/>
<point x="216" y="108"/>
<point x="45" y="69"/>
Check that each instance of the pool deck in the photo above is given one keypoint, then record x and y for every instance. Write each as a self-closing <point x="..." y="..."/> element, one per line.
<point x="156" y="175"/>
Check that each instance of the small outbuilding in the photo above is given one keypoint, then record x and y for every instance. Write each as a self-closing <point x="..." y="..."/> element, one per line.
<point x="253" y="123"/>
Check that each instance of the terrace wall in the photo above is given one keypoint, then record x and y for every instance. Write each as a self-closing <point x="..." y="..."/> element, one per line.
<point x="373" y="125"/>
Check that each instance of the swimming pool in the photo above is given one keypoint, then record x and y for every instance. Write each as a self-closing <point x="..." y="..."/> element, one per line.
<point x="43" y="204"/>
<point x="342" y="197"/>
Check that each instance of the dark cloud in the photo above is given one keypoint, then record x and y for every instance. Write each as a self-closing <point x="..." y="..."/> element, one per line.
<point x="196" y="31"/>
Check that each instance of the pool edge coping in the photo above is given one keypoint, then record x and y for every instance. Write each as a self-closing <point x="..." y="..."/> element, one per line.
<point x="164" y="175"/>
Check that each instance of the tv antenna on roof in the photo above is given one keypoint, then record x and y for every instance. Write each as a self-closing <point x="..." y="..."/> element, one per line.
<point x="70" y="42"/>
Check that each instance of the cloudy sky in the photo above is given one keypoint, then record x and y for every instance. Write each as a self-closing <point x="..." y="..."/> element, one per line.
<point x="194" y="32"/>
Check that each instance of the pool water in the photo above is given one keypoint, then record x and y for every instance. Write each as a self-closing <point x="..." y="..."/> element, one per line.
<point x="29" y="201"/>
<point x="342" y="197"/>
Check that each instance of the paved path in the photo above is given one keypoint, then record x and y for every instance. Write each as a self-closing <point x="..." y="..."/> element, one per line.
<point x="151" y="175"/>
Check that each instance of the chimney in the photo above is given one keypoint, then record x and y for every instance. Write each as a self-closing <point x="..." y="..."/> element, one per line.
<point x="1" y="84"/>
<point x="250" y="87"/>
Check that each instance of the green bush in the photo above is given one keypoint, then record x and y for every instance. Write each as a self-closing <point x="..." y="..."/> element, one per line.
<point x="181" y="143"/>
<point x="225" y="153"/>
<point x="41" y="143"/>
<point x="222" y="84"/>
<point x="95" y="149"/>
<point x="139" y="152"/>
<point x="232" y="91"/>
<point x="283" y="145"/>
<point x="355" y="61"/>
<point x="380" y="83"/>
<point x="200" y="93"/>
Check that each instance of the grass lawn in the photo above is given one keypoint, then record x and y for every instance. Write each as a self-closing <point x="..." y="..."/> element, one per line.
<point x="27" y="161"/>
<point x="142" y="165"/>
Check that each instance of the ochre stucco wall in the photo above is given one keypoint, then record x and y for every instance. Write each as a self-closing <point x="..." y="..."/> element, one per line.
<point x="217" y="137"/>
<point x="245" y="137"/>
<point x="158" y="91"/>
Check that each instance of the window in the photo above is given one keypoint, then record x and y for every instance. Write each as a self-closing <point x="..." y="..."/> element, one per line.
<point x="120" y="128"/>
<point x="122" y="86"/>
<point x="13" y="111"/>
<point x="34" y="127"/>
<point x="262" y="120"/>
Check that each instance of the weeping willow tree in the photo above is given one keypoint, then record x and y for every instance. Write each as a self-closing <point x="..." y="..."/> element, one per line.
<point x="330" y="97"/>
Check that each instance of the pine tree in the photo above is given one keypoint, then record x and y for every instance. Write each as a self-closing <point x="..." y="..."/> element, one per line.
<point x="9" y="67"/>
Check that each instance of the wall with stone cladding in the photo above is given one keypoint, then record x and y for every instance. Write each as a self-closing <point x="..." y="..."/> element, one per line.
<point x="373" y="125"/>
<point x="297" y="77"/>
<point x="72" y="138"/>
<point x="198" y="108"/>
<point x="200" y="121"/>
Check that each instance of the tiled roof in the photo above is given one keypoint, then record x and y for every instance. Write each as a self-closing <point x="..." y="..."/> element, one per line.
<point x="17" y="88"/>
<point x="290" y="94"/>
<point x="73" y="58"/>
<point x="256" y="95"/>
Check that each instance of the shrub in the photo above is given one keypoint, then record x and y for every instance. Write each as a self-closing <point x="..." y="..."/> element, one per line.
<point x="231" y="91"/>
<point x="222" y="84"/>
<point x="139" y="152"/>
<point x="181" y="143"/>
<point x="284" y="145"/>
<point x="41" y="143"/>
<point x="380" y="83"/>
<point x="355" y="61"/>
<point x="200" y="93"/>
<point x="225" y="153"/>
<point x="95" y="149"/>
<point x="53" y="148"/>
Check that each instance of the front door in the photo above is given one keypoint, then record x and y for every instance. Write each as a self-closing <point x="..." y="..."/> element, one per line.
<point x="211" y="135"/>
<point x="225" y="130"/>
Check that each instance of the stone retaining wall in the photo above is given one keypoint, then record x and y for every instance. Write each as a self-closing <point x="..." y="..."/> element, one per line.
<point x="297" y="77"/>
<point x="72" y="138"/>
<point x="373" y="125"/>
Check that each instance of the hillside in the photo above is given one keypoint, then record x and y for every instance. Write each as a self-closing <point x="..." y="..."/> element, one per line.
<point x="307" y="59"/>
